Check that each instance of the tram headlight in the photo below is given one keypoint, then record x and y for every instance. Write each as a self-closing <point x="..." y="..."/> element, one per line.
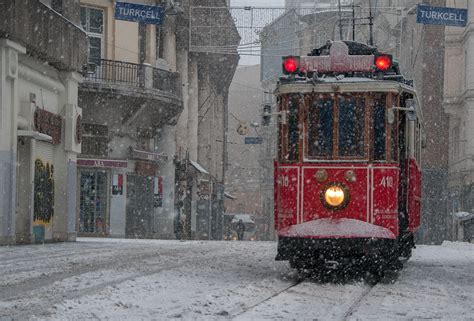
<point x="335" y="196"/>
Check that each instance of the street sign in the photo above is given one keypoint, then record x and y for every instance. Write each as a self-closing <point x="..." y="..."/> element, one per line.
<point x="139" y="13"/>
<point x="441" y="16"/>
<point x="253" y="140"/>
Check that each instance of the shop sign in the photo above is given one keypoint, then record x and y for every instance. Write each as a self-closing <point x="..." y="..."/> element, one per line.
<point x="102" y="163"/>
<point x="48" y="123"/>
<point x="148" y="156"/>
<point x="139" y="13"/>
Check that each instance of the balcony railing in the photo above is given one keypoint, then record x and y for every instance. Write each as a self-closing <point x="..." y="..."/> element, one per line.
<point x="136" y="75"/>
<point x="118" y="72"/>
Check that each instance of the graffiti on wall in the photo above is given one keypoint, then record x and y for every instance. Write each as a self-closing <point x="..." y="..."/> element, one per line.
<point x="44" y="192"/>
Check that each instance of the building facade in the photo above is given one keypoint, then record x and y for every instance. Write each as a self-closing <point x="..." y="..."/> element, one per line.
<point x="41" y="58"/>
<point x="421" y="55"/>
<point x="131" y="98"/>
<point x="458" y="102"/>
<point x="152" y="158"/>
<point x="202" y="127"/>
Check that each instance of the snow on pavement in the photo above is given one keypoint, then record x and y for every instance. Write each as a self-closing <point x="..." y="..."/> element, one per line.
<point x="111" y="279"/>
<point x="437" y="283"/>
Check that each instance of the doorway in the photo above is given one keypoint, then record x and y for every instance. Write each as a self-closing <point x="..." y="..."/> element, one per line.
<point x="93" y="202"/>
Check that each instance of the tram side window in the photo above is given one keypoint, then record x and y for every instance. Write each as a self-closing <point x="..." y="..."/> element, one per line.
<point x="379" y="129"/>
<point x="320" y="127"/>
<point x="293" y="128"/>
<point x="351" y="126"/>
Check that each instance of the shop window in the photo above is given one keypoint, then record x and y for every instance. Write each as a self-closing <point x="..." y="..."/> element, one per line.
<point x="93" y="202"/>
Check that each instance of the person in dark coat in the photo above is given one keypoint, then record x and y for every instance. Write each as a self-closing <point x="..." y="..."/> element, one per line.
<point x="240" y="229"/>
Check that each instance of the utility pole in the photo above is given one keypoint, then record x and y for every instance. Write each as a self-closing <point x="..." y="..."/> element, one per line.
<point x="353" y="22"/>
<point x="340" y="20"/>
<point x="371" y="25"/>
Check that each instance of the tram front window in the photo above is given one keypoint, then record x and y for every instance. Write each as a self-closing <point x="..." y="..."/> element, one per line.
<point x="351" y="126"/>
<point x="320" y="127"/>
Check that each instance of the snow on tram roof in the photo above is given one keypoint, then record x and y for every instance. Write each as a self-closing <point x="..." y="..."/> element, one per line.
<point x="345" y="79"/>
<point x="346" y="84"/>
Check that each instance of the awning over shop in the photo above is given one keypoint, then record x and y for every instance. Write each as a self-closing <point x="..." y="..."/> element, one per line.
<point x="34" y="135"/>
<point x="198" y="167"/>
<point x="232" y="197"/>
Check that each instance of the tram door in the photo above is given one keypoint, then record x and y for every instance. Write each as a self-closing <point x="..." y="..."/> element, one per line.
<point x="93" y="202"/>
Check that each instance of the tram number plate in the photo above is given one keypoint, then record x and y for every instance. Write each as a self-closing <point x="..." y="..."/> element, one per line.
<point x="386" y="181"/>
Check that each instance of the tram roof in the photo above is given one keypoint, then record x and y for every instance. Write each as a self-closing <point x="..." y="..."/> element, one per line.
<point x="344" y="85"/>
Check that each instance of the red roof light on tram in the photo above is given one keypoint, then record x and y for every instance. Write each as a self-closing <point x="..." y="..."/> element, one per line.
<point x="383" y="62"/>
<point x="291" y="65"/>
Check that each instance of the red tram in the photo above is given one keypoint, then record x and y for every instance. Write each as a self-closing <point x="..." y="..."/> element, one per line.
<point x="347" y="176"/>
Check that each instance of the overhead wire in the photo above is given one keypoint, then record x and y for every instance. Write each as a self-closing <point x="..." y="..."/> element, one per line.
<point x="252" y="48"/>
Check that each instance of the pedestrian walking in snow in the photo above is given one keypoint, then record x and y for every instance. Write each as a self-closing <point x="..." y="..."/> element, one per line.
<point x="240" y="229"/>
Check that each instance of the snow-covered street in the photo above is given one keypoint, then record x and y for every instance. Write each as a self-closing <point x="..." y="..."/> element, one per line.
<point x="113" y="279"/>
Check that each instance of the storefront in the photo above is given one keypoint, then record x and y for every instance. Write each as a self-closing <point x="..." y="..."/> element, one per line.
<point x="102" y="198"/>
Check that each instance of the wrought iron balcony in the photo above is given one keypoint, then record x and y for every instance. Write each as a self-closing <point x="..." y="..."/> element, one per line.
<point x="136" y="95"/>
<point x="142" y="76"/>
<point x="118" y="72"/>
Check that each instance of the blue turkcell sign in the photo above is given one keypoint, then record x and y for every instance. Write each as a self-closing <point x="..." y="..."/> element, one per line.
<point x="253" y="140"/>
<point x="139" y="13"/>
<point x="441" y="16"/>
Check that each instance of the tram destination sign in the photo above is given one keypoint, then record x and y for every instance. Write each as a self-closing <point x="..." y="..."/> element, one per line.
<point x="441" y="16"/>
<point x="338" y="60"/>
<point x="139" y="13"/>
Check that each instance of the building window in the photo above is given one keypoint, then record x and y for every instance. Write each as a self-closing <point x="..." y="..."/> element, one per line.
<point x="95" y="140"/>
<point x="92" y="21"/>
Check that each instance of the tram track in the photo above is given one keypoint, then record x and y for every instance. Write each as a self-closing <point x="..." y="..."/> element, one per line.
<point x="268" y="298"/>
<point x="356" y="302"/>
<point x="320" y="288"/>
